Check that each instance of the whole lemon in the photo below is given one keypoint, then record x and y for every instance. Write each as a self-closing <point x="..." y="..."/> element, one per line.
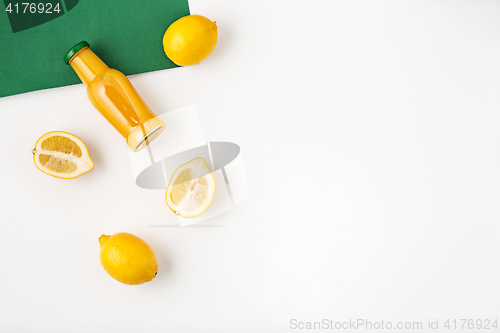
<point x="127" y="258"/>
<point x="190" y="39"/>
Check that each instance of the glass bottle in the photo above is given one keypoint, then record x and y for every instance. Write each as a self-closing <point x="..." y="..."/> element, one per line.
<point x="114" y="96"/>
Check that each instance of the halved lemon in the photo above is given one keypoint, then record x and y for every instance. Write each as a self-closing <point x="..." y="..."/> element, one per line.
<point x="62" y="155"/>
<point x="191" y="188"/>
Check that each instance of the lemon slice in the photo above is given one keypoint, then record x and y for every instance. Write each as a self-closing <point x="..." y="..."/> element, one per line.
<point x="190" y="39"/>
<point x="191" y="188"/>
<point x="62" y="155"/>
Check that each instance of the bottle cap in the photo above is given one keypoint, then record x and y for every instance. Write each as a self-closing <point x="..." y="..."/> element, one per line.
<point x="73" y="50"/>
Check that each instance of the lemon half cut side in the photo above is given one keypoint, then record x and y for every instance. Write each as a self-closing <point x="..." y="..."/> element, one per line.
<point x="191" y="188"/>
<point x="62" y="155"/>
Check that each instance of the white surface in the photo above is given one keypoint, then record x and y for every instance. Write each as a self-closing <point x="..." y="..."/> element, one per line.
<point x="370" y="134"/>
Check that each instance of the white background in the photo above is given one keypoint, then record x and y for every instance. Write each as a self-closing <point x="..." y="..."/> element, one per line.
<point x="370" y="134"/>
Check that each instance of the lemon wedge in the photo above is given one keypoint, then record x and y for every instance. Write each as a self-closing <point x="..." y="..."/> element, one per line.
<point x="191" y="188"/>
<point x="62" y="155"/>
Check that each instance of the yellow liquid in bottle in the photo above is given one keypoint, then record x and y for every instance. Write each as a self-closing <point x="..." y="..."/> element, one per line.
<point x="116" y="99"/>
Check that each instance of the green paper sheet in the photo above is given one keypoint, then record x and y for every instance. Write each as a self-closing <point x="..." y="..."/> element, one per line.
<point x="127" y="35"/>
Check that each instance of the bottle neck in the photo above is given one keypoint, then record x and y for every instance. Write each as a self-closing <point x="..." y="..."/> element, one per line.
<point x="87" y="65"/>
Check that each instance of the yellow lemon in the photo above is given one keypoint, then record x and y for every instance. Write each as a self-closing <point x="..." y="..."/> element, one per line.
<point x="191" y="188"/>
<point x="127" y="258"/>
<point x="190" y="39"/>
<point x="62" y="155"/>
